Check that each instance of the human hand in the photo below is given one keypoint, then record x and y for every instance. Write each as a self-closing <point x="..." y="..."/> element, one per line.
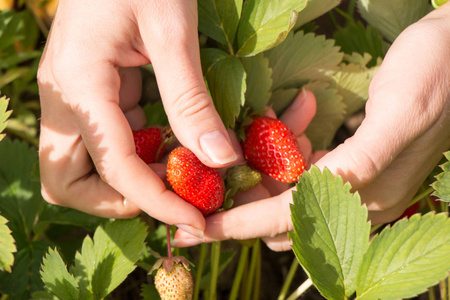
<point x="90" y="88"/>
<point x="400" y="141"/>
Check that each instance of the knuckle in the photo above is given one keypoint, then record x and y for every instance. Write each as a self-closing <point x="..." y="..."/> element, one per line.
<point x="195" y="103"/>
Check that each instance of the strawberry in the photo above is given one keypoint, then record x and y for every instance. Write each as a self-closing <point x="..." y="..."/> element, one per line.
<point x="271" y="147"/>
<point x="149" y="144"/>
<point x="174" y="281"/>
<point x="195" y="182"/>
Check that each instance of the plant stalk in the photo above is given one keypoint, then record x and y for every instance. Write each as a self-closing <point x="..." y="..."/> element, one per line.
<point x="198" y="276"/>
<point x="252" y="270"/>
<point x="169" y="247"/>
<point x="239" y="272"/>
<point x="288" y="280"/>
<point x="215" y="261"/>
<point x="301" y="289"/>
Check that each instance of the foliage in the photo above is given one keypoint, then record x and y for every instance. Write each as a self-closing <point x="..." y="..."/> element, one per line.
<point x="253" y="53"/>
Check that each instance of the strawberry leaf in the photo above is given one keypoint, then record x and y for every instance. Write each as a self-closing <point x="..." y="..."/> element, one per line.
<point x="392" y="17"/>
<point x="4" y="115"/>
<point x="265" y="23"/>
<point x="107" y="258"/>
<point x="226" y="77"/>
<point x="406" y="259"/>
<point x="302" y="58"/>
<point x="314" y="9"/>
<point x="219" y="20"/>
<point x="442" y="185"/>
<point x="282" y="98"/>
<point x="258" y="81"/>
<point x="7" y="246"/>
<point x="331" y="232"/>
<point x="57" y="279"/>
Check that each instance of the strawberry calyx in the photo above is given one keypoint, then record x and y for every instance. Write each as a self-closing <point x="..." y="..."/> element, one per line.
<point x="168" y="262"/>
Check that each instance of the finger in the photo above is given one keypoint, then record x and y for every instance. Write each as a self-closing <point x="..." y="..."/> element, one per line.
<point x="129" y="96"/>
<point x="264" y="218"/>
<point x="305" y="147"/>
<point x="171" y="39"/>
<point x="279" y="243"/>
<point x="300" y="113"/>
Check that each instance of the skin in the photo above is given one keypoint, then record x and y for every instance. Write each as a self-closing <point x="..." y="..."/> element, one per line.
<point x="90" y="88"/>
<point x="402" y="138"/>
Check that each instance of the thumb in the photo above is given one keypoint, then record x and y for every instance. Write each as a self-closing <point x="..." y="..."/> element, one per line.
<point x="171" y="39"/>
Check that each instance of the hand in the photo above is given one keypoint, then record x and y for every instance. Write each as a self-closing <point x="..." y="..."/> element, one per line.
<point x="90" y="88"/>
<point x="400" y="141"/>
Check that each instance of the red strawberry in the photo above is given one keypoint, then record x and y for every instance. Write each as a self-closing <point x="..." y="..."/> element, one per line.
<point x="175" y="282"/>
<point x="195" y="182"/>
<point x="148" y="142"/>
<point x="271" y="147"/>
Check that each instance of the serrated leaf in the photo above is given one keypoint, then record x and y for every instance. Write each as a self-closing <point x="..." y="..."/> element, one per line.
<point x="442" y="185"/>
<point x="331" y="232"/>
<point x="219" y="20"/>
<point x="107" y="259"/>
<point x="355" y="37"/>
<point x="302" y="58"/>
<point x="20" y="194"/>
<point x="403" y="261"/>
<point x="314" y="9"/>
<point x="329" y="115"/>
<point x="258" y="81"/>
<point x="265" y="23"/>
<point x="4" y="115"/>
<point x="7" y="246"/>
<point x="282" y="98"/>
<point x="56" y="278"/>
<point x="226" y="81"/>
<point x="149" y="292"/>
<point x="392" y="17"/>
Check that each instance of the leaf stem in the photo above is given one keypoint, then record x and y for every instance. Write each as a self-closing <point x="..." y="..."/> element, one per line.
<point x="301" y="289"/>
<point x="252" y="269"/>
<point x="215" y="261"/>
<point x="169" y="247"/>
<point x="431" y="295"/>
<point x="443" y="288"/>
<point x="256" y="286"/>
<point x="198" y="276"/>
<point x="288" y="280"/>
<point x="239" y="272"/>
<point x="421" y="195"/>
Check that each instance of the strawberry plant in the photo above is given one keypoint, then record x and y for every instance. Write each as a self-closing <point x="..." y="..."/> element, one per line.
<point x="254" y="53"/>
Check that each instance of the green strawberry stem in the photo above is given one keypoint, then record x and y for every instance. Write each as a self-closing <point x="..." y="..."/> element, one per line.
<point x="169" y="247"/>
<point x="301" y="289"/>
<point x="256" y="255"/>
<point x="200" y="265"/>
<point x="239" y="272"/>
<point x="431" y="295"/>
<point x="215" y="261"/>
<point x="288" y="280"/>
<point x="257" y="275"/>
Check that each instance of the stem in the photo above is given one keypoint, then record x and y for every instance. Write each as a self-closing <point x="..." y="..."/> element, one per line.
<point x="431" y="295"/>
<point x="351" y="7"/>
<point x="288" y="280"/>
<point x="422" y="195"/>
<point x="215" y="261"/>
<point x="169" y="247"/>
<point x="239" y="272"/>
<point x="301" y="289"/>
<point x="252" y="271"/>
<point x="198" y="276"/>
<point x="257" y="284"/>
<point x="443" y="288"/>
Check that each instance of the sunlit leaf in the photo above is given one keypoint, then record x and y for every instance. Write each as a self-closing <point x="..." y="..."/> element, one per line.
<point x="4" y="115"/>
<point x="314" y="9"/>
<point x="331" y="232"/>
<point x="406" y="259"/>
<point x="265" y="24"/>
<point x="7" y="246"/>
<point x="442" y="185"/>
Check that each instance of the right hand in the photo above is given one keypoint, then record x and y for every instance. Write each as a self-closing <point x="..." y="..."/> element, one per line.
<point x="90" y="88"/>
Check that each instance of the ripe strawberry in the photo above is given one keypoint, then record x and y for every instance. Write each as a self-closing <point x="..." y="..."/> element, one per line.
<point x="174" y="282"/>
<point x="195" y="182"/>
<point x="148" y="142"/>
<point x="271" y="147"/>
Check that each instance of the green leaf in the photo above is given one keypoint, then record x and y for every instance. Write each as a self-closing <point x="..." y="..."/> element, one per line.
<point x="302" y="58"/>
<point x="20" y="194"/>
<point x="331" y="232"/>
<point x="282" y="98"/>
<point x="403" y="261"/>
<point x="356" y="38"/>
<point x="314" y="9"/>
<point x="442" y="185"/>
<point x="259" y="81"/>
<point x="219" y="20"/>
<point x="329" y="115"/>
<point x="392" y="17"/>
<point x="149" y="292"/>
<point x="7" y="246"/>
<point x="57" y="279"/>
<point x="155" y="114"/>
<point x="226" y="77"/>
<point x="107" y="259"/>
<point x="12" y="74"/>
<point x="265" y="23"/>
<point x="4" y="115"/>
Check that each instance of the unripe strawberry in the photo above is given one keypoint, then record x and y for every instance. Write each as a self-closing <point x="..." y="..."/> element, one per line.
<point x="174" y="284"/>
<point x="149" y="144"/>
<point x="271" y="147"/>
<point x="195" y="182"/>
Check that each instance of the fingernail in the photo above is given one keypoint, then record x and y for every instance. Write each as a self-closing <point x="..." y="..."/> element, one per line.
<point x="185" y="242"/>
<point x="298" y="102"/>
<point x="191" y="230"/>
<point x="217" y="147"/>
